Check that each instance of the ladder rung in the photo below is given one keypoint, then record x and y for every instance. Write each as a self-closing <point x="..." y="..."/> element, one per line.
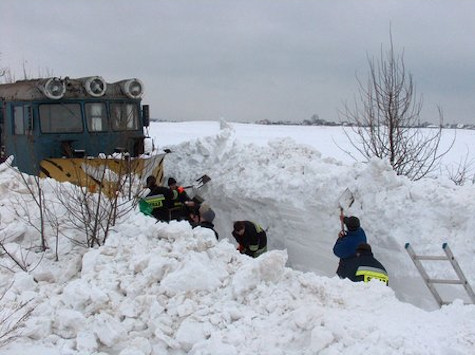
<point x="423" y="257"/>
<point x="440" y="281"/>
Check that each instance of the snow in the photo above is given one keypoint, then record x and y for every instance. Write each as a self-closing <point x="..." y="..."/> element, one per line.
<point x="157" y="288"/>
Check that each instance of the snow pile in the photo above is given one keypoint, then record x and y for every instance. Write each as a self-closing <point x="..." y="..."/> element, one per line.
<point x="293" y="190"/>
<point x="157" y="288"/>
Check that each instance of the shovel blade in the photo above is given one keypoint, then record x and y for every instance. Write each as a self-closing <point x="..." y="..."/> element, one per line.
<point x="200" y="182"/>
<point x="346" y="199"/>
<point x="203" y="179"/>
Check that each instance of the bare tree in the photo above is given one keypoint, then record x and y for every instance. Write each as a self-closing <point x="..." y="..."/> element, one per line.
<point x="25" y="255"/>
<point x="96" y="211"/>
<point x="37" y="194"/>
<point x="7" y="76"/>
<point x="463" y="171"/>
<point x="386" y="119"/>
<point x="92" y="208"/>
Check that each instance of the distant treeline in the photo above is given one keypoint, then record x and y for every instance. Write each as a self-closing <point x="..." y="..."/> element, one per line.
<point x="316" y="121"/>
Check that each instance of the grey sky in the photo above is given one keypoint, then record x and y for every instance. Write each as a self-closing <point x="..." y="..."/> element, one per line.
<point x="247" y="60"/>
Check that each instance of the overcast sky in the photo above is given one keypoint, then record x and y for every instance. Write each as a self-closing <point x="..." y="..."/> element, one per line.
<point x="247" y="60"/>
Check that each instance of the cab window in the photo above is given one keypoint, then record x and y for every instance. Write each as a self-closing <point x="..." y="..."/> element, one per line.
<point x="18" y="120"/>
<point x="124" y="117"/>
<point x="22" y="120"/>
<point x="96" y="116"/>
<point x="60" y="118"/>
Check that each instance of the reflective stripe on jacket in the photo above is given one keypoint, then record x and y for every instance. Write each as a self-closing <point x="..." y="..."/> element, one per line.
<point x="364" y="267"/>
<point x="369" y="273"/>
<point x="254" y="240"/>
<point x="155" y="201"/>
<point x="254" y="247"/>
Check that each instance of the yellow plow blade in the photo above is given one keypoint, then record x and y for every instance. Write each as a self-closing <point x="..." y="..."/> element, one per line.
<point x="102" y="174"/>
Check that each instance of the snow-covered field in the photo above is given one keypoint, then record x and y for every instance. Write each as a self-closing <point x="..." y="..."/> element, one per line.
<point x="158" y="288"/>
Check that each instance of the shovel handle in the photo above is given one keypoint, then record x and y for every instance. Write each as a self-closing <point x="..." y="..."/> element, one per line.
<point x="341" y="219"/>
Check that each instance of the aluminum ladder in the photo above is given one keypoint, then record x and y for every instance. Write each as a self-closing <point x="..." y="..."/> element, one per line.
<point x="430" y="282"/>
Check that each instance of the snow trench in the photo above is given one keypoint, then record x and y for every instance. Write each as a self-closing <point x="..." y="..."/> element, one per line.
<point x="293" y="192"/>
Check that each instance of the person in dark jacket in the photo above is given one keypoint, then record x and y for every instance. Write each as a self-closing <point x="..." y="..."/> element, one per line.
<point x="348" y="241"/>
<point x="206" y="218"/>
<point x="364" y="266"/>
<point x="251" y="237"/>
<point x="182" y="203"/>
<point x="159" y="200"/>
<point x="194" y="216"/>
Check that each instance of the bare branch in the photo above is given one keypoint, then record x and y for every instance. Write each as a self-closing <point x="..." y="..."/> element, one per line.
<point x="385" y="117"/>
<point x="463" y="171"/>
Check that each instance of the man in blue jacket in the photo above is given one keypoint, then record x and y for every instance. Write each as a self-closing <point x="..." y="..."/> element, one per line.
<point x="347" y="242"/>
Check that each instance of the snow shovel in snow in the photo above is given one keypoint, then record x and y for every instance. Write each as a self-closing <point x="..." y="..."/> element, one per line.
<point x="344" y="202"/>
<point x="199" y="183"/>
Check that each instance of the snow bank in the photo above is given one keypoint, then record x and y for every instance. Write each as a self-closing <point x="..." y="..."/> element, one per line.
<point x="293" y="190"/>
<point x="157" y="288"/>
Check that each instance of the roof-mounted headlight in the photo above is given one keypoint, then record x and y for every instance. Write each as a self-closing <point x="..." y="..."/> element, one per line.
<point x="133" y="88"/>
<point x="95" y="86"/>
<point x="53" y="88"/>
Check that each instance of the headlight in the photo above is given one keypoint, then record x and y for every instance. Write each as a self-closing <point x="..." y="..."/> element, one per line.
<point x="133" y="88"/>
<point x="53" y="88"/>
<point x="95" y="86"/>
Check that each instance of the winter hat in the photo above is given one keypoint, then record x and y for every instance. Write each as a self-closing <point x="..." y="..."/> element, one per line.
<point x="352" y="223"/>
<point x="151" y="180"/>
<point x="364" y="247"/>
<point x="238" y="226"/>
<point x="208" y="216"/>
<point x="206" y="213"/>
<point x="171" y="181"/>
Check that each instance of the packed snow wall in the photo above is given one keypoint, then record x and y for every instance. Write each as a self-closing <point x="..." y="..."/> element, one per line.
<point x="293" y="191"/>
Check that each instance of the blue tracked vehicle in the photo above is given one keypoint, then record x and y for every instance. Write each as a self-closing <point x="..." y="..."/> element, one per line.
<point x="76" y="129"/>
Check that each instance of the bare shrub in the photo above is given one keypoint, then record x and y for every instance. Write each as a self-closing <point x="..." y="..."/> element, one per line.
<point x="6" y="75"/>
<point x="463" y="171"/>
<point x="29" y="207"/>
<point x="386" y="119"/>
<point x="33" y="185"/>
<point x="68" y="206"/>
<point x="95" y="212"/>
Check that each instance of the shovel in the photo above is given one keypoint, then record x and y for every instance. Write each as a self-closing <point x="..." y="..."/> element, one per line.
<point x="345" y="201"/>
<point x="199" y="183"/>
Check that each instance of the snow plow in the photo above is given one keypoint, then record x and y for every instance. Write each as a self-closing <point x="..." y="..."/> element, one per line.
<point x="85" y="131"/>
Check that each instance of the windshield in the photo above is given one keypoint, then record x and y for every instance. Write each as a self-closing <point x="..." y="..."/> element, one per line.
<point x="59" y="118"/>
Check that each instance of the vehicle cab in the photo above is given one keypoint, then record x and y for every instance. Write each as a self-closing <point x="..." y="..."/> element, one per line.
<point x="42" y="119"/>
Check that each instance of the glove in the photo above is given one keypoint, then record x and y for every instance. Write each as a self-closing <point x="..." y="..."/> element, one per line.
<point x="240" y="248"/>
